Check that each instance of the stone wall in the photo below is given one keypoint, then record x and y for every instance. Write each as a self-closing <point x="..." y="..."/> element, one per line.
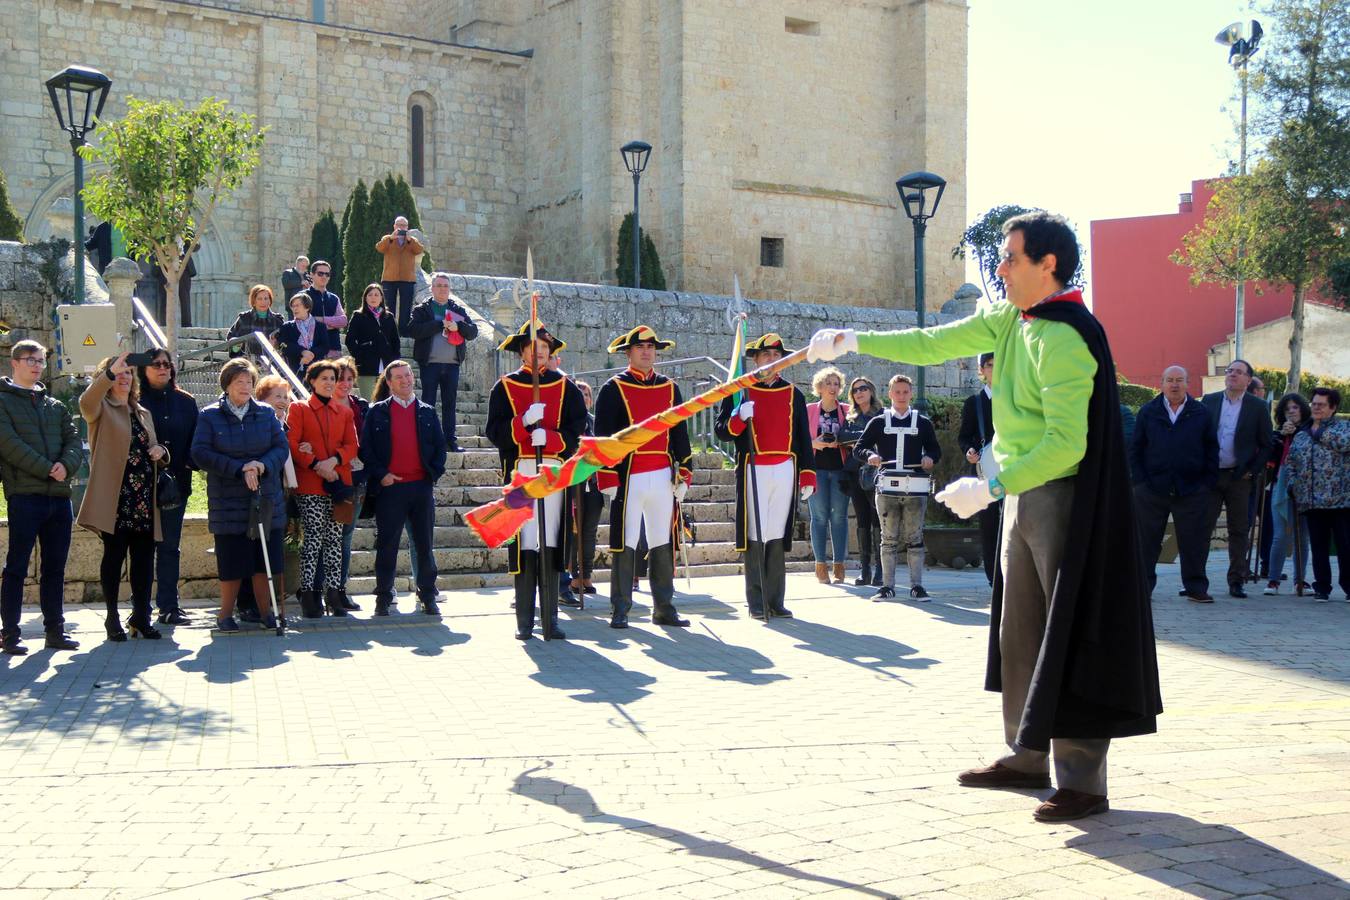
<point x="588" y="316"/>
<point x="33" y="282"/>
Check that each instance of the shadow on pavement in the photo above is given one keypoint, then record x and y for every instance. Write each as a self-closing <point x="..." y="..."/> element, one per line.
<point x="868" y="651"/>
<point x="589" y="677"/>
<point x="579" y="802"/>
<point x="99" y="685"/>
<point x="1214" y="859"/>
<point x="690" y="650"/>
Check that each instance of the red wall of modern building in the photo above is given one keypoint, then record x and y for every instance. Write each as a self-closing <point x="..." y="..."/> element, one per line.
<point x="1154" y="317"/>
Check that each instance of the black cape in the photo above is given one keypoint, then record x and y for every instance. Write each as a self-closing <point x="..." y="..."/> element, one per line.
<point x="1097" y="674"/>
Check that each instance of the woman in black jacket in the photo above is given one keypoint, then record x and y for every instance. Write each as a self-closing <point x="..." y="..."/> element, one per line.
<point x="372" y="338"/>
<point x="258" y="317"/>
<point x="303" y="338"/>
<point x="174" y="412"/>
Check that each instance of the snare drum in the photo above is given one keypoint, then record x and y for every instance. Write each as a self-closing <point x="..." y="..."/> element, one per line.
<point x="987" y="468"/>
<point x="903" y="484"/>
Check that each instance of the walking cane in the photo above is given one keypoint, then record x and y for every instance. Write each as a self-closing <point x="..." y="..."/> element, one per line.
<point x="267" y="561"/>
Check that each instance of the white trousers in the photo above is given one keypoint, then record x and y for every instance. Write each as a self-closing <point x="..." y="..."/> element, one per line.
<point x="777" y="490"/>
<point x="553" y="508"/>
<point x="650" y="500"/>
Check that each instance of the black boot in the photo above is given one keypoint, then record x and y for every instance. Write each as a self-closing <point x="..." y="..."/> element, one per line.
<point x="661" y="565"/>
<point x="622" y="565"/>
<point x="349" y="604"/>
<point x="525" y="583"/>
<point x="754" y="576"/>
<point x="57" y="639"/>
<point x="139" y="624"/>
<point x="112" y="623"/>
<point x="864" y="557"/>
<point x="310" y="605"/>
<point x="548" y="597"/>
<point x="384" y="604"/>
<point x="427" y="601"/>
<point x="11" y="645"/>
<point x="333" y="600"/>
<point x="775" y="579"/>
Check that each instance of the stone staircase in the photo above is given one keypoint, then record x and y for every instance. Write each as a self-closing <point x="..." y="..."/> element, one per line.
<point x="473" y="478"/>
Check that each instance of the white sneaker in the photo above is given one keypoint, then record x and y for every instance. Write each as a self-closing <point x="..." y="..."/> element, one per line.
<point x="1272" y="589"/>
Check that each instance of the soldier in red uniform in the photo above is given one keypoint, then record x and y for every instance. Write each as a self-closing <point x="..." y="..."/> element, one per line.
<point x="518" y="426"/>
<point x="770" y="430"/>
<point x="645" y="487"/>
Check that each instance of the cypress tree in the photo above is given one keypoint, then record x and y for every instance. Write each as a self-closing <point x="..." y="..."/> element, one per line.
<point x="325" y="242"/>
<point x="11" y="226"/>
<point x="652" y="276"/>
<point x="354" y="242"/>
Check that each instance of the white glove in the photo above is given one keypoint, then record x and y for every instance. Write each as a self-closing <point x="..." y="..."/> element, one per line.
<point x="808" y="491"/>
<point x="831" y="343"/>
<point x="610" y="492"/>
<point x="533" y="414"/>
<point x="538" y="437"/>
<point x="681" y="488"/>
<point x="746" y="410"/>
<point x="966" y="496"/>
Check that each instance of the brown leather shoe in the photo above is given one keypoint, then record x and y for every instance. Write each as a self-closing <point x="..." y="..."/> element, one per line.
<point x="1065" y="805"/>
<point x="838" y="573"/>
<point x="1197" y="596"/>
<point x="822" y="573"/>
<point x="998" y="775"/>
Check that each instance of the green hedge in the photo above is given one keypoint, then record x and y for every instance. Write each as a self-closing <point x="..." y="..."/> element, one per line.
<point x="1277" y="381"/>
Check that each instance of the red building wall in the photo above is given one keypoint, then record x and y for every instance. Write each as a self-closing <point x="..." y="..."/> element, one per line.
<point x="1153" y="317"/>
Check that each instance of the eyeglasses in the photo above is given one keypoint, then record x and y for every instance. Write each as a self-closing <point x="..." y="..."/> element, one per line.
<point x="39" y="360"/>
<point x="1235" y="370"/>
<point x="162" y="364"/>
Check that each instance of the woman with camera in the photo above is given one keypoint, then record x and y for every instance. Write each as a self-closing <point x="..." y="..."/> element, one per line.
<point x="829" y="504"/>
<point x="322" y="436"/>
<point x="120" y="502"/>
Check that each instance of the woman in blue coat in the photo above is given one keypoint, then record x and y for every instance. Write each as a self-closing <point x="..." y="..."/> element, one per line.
<point x="240" y="446"/>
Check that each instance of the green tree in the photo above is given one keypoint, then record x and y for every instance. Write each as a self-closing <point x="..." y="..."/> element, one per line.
<point x="357" y="254"/>
<point x="168" y="168"/>
<point x="984" y="237"/>
<point x="11" y="226"/>
<point x="653" y="278"/>
<point x="325" y="242"/>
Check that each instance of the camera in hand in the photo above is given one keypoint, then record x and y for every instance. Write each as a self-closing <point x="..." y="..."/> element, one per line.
<point x="828" y="438"/>
<point x="403" y="232"/>
<point x="140" y="360"/>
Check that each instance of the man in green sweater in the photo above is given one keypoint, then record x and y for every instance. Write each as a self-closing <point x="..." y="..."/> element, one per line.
<point x="1071" y="646"/>
<point x="40" y="453"/>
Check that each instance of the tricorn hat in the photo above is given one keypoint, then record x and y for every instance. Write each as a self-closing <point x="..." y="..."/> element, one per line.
<point x="639" y="335"/>
<point x="769" y="341"/>
<point x="521" y="339"/>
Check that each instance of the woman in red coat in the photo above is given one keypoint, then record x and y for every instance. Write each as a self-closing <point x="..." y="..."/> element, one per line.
<point x="322" y="436"/>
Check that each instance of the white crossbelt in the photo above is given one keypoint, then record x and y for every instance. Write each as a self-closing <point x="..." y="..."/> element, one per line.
<point x="892" y="483"/>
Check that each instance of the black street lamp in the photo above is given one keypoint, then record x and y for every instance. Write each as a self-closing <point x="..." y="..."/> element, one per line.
<point x="78" y="94"/>
<point x="914" y="189"/>
<point x="635" y="155"/>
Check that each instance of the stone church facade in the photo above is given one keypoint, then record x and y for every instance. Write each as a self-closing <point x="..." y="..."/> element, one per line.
<point x="778" y="129"/>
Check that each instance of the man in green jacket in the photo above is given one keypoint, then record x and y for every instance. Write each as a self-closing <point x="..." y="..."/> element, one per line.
<point x="1071" y="632"/>
<point x="40" y="453"/>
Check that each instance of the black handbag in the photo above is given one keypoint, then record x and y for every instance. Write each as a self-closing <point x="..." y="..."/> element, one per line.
<point x="167" y="494"/>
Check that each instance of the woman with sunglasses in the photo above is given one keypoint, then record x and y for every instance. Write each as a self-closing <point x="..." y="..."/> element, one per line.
<point x="174" y="412"/>
<point x="863" y="393"/>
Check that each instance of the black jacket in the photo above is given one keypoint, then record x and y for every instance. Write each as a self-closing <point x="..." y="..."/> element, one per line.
<point x="247" y="323"/>
<point x="875" y="440"/>
<point x="1251" y="442"/>
<point x="424" y="327"/>
<point x="377" y="446"/>
<point x="288" y="342"/>
<point x="1175" y="459"/>
<point x="977" y="422"/>
<point x="372" y="340"/>
<point x="1097" y="675"/>
<point x="175" y="416"/>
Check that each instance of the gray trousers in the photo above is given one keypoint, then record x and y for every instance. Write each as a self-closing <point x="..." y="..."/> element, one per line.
<point x="1035" y="532"/>
<point x="901" y="526"/>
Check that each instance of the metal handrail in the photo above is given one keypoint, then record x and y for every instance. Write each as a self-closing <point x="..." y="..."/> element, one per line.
<point x="258" y="345"/>
<point x="140" y="314"/>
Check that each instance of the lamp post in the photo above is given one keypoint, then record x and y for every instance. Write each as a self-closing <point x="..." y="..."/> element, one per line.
<point x="78" y="94"/>
<point x="914" y="191"/>
<point x="635" y="155"/>
<point x="1240" y="50"/>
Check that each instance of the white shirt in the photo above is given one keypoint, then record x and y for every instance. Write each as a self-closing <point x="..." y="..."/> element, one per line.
<point x="989" y="392"/>
<point x="1229" y="410"/>
<point x="404" y="403"/>
<point x="1173" y="414"/>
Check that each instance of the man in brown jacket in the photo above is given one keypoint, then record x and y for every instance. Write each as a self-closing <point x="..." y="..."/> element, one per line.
<point x="399" y="278"/>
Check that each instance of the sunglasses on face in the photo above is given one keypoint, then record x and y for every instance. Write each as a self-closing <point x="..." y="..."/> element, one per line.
<point x="323" y="274"/>
<point x="161" y="364"/>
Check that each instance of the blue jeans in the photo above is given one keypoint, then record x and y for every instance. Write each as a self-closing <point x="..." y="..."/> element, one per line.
<point x="167" y="556"/>
<point x="1282" y="537"/>
<point x="829" y="515"/>
<point x="34" y="518"/>
<point x="442" y="378"/>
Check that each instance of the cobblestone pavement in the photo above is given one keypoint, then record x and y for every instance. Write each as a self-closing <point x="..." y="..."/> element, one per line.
<point x="421" y="758"/>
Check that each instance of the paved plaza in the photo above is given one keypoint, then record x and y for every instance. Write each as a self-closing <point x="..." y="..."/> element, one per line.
<point x="413" y="757"/>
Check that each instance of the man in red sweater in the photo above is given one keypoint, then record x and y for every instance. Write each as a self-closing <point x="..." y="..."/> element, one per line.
<point x="403" y="447"/>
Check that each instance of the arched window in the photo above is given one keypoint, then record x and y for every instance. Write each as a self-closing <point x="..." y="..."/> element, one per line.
<point x="417" y="155"/>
